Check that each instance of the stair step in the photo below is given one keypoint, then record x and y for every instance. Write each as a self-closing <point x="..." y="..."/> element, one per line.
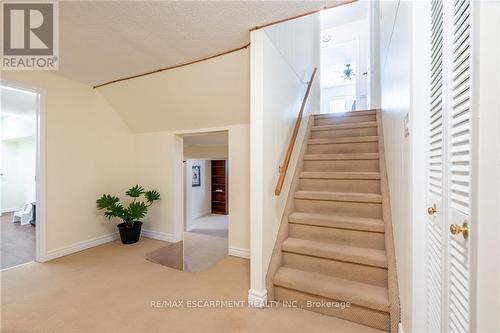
<point x="344" y="118"/>
<point x="336" y="157"/>
<point x="351" y="139"/>
<point x="380" y="321"/>
<point x="341" y="162"/>
<point x="343" y="145"/>
<point x="347" y="182"/>
<point x="339" y="196"/>
<point x="358" y="255"/>
<point x="344" y="126"/>
<point x="337" y="221"/>
<point x="366" y="295"/>
<point x="374" y="275"/>
<point x="343" y="130"/>
<point x="339" y="175"/>
<point x="346" y="114"/>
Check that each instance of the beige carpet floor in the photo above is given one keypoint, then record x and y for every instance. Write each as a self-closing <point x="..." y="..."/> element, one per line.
<point x="170" y="255"/>
<point x="202" y="251"/>
<point x="110" y="289"/>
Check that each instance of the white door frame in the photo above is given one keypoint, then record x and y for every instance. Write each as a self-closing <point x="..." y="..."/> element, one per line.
<point x="40" y="230"/>
<point x="179" y="177"/>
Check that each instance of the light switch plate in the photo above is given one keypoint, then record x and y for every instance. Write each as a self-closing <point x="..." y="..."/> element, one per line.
<point x="407" y="125"/>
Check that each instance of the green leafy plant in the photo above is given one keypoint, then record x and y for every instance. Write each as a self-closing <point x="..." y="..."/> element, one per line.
<point x="135" y="210"/>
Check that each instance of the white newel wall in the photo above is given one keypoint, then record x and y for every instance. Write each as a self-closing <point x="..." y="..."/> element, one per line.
<point x="281" y="62"/>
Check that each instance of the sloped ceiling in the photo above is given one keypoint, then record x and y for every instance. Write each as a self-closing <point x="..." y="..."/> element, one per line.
<point x="104" y="41"/>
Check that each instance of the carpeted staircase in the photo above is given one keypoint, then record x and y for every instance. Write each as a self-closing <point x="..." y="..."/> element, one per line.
<point x="334" y="249"/>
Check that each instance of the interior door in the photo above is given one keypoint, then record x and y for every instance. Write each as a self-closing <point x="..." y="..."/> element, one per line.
<point x="449" y="168"/>
<point x="459" y="168"/>
<point x="436" y="183"/>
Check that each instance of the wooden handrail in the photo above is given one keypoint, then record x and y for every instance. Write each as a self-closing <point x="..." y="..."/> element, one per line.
<point x="291" y="144"/>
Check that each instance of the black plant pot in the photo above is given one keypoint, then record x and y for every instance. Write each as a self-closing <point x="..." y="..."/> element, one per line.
<point x="128" y="234"/>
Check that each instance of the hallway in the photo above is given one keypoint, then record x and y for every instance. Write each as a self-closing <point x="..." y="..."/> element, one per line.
<point x="206" y="242"/>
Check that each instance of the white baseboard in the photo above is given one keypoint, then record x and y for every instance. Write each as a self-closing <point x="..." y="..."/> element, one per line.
<point x="239" y="252"/>
<point x="163" y="236"/>
<point x="77" y="247"/>
<point x="257" y="298"/>
<point x="11" y="210"/>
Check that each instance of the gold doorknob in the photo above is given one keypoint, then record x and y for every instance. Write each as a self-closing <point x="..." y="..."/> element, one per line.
<point x="456" y="229"/>
<point x="432" y="210"/>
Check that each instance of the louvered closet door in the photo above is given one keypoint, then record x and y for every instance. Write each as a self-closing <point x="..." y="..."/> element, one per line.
<point x="449" y="168"/>
<point x="434" y="246"/>
<point x="459" y="168"/>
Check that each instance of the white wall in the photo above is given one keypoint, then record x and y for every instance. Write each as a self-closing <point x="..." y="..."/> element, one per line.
<point x="108" y="139"/>
<point x="210" y="93"/>
<point x="17" y="159"/>
<point x="198" y="199"/>
<point x="282" y="59"/>
<point x="18" y="164"/>
<point x="395" y="55"/>
<point x="206" y="152"/>
<point x="18" y="126"/>
<point x="89" y="152"/>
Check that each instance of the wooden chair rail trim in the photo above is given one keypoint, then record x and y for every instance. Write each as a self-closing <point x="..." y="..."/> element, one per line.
<point x="284" y="167"/>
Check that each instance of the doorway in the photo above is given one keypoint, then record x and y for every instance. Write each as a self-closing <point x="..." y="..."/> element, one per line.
<point x="206" y="208"/>
<point x="344" y="58"/>
<point x="19" y="119"/>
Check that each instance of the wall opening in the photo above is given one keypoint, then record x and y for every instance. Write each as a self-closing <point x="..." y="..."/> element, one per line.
<point x="206" y="195"/>
<point x="345" y="58"/>
<point x="18" y="169"/>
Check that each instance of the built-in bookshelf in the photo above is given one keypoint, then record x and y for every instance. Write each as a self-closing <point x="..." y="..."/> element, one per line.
<point x="219" y="187"/>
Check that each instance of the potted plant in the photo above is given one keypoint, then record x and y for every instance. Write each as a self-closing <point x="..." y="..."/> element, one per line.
<point x="130" y="228"/>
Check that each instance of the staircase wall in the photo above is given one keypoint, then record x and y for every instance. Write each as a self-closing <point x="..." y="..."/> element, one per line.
<point x="281" y="63"/>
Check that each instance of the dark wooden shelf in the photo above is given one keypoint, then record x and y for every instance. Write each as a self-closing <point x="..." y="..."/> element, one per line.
<point x="219" y="180"/>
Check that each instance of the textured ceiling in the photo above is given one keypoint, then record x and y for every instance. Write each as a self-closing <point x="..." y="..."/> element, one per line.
<point x="103" y="41"/>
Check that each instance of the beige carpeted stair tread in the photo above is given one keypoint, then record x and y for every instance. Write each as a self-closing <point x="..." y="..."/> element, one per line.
<point x="339" y="196"/>
<point x="353" y="156"/>
<point x="337" y="221"/>
<point x="348" y="139"/>
<point x="359" y="255"/>
<point x="358" y="293"/>
<point x="346" y="114"/>
<point x="344" y="126"/>
<point x="339" y="175"/>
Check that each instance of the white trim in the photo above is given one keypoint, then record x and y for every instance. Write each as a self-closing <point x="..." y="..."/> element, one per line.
<point x="80" y="246"/>
<point x="400" y="328"/>
<point x="239" y="252"/>
<point x="11" y="210"/>
<point x="257" y="298"/>
<point x="163" y="236"/>
<point x="16" y="266"/>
